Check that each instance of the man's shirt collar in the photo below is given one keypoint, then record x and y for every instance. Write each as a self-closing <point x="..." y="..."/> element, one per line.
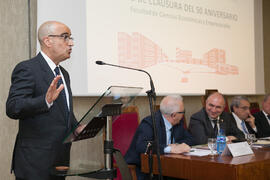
<point x="49" y="61"/>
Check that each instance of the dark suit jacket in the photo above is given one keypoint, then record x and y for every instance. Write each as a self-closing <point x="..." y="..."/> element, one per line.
<point x="249" y="128"/>
<point x="201" y="128"/>
<point x="144" y="133"/>
<point x="263" y="127"/>
<point x="38" y="144"/>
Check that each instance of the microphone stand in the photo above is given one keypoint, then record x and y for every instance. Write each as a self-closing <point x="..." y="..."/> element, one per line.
<point x="151" y="94"/>
<point x="152" y="102"/>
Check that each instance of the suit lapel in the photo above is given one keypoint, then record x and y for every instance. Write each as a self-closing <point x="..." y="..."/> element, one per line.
<point x="222" y="123"/>
<point x="48" y="77"/>
<point x="67" y="81"/>
<point x="162" y="131"/>
<point x="209" y="130"/>
<point x="265" y="123"/>
<point x="177" y="131"/>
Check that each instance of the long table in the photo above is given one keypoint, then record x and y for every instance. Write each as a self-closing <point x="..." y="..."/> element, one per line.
<point x="256" y="166"/>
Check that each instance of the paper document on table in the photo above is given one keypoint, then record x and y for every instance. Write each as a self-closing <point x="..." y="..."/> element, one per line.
<point x="257" y="146"/>
<point x="265" y="138"/>
<point x="198" y="152"/>
<point x="262" y="141"/>
<point x="201" y="146"/>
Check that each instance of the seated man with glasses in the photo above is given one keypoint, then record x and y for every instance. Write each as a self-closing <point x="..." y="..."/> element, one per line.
<point x="172" y="136"/>
<point x="242" y="116"/>
<point x="209" y="120"/>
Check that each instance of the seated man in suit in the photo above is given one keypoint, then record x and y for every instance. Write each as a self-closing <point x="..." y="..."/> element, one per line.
<point x="262" y="118"/>
<point x="207" y="122"/>
<point x="172" y="136"/>
<point x="242" y="116"/>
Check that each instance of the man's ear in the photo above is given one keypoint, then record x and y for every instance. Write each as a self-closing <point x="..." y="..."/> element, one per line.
<point x="47" y="41"/>
<point x="234" y="108"/>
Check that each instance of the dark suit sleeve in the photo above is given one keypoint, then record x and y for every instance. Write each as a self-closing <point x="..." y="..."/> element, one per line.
<point x="74" y="121"/>
<point x="197" y="130"/>
<point x="257" y="117"/>
<point x="145" y="134"/>
<point x="184" y="135"/>
<point x="250" y="129"/>
<point x="22" y="101"/>
<point x="187" y="138"/>
<point x="263" y="128"/>
<point x="232" y="129"/>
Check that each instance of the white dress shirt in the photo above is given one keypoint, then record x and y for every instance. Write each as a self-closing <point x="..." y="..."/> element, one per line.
<point x="168" y="127"/>
<point x="239" y="125"/>
<point x="53" y="66"/>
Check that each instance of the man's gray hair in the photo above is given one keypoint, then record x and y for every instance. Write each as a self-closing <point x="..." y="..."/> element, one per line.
<point x="266" y="97"/>
<point x="236" y="101"/>
<point x="170" y="104"/>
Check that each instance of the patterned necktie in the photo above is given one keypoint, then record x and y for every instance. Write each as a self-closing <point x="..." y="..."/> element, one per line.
<point x="244" y="127"/>
<point x="62" y="93"/>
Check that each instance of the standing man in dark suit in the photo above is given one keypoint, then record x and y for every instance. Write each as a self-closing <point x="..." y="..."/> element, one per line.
<point x="42" y="106"/>
<point x="242" y="116"/>
<point x="262" y="118"/>
<point x="207" y="122"/>
<point x="173" y="138"/>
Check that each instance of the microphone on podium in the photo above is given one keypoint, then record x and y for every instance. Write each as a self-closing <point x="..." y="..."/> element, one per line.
<point x="100" y="63"/>
<point x="124" y="67"/>
<point x="151" y="96"/>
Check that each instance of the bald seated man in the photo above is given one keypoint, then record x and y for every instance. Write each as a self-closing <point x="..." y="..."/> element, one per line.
<point x="209" y="120"/>
<point x="262" y="118"/>
<point x="173" y="138"/>
<point x="42" y="106"/>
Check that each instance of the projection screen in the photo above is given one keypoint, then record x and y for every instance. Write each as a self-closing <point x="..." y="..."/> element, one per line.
<point x="186" y="45"/>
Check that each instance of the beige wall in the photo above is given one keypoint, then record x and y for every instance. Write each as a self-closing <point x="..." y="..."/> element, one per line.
<point x="266" y="43"/>
<point x="14" y="47"/>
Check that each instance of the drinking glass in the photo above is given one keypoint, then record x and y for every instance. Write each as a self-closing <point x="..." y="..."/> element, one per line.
<point x="212" y="145"/>
<point x="251" y="138"/>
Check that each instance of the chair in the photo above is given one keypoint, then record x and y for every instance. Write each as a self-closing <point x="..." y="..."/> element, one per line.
<point x="207" y="93"/>
<point x="123" y="130"/>
<point x="183" y="119"/>
<point x="254" y="107"/>
<point x="211" y="91"/>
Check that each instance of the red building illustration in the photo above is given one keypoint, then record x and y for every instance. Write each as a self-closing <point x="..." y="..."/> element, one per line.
<point x="138" y="51"/>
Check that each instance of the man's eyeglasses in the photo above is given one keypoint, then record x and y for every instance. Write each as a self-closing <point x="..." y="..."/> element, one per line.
<point x="66" y="37"/>
<point x="245" y="108"/>
<point x="181" y="112"/>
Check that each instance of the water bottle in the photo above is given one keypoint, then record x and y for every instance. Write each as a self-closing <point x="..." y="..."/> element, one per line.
<point x="221" y="141"/>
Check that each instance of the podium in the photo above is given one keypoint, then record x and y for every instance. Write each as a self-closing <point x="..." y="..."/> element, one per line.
<point x="101" y="114"/>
